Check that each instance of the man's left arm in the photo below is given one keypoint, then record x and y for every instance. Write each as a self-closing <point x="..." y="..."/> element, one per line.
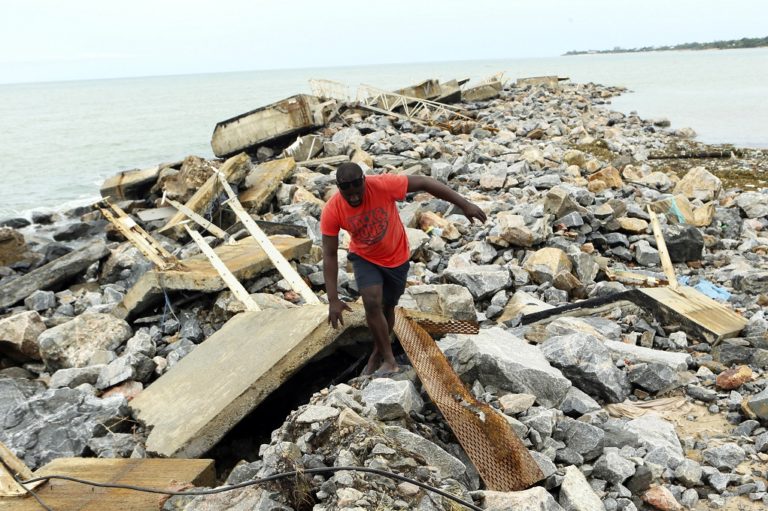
<point x="441" y="191"/>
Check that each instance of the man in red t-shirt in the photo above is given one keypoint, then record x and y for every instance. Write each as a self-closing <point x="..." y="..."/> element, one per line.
<point x="366" y="208"/>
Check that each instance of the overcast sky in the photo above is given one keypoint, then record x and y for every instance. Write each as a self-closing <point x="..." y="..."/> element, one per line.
<point x="45" y="40"/>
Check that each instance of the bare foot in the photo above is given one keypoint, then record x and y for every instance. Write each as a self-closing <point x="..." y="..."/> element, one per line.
<point x="387" y="368"/>
<point x="373" y="362"/>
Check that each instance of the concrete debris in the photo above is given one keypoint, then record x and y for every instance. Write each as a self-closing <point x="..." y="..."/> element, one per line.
<point x="551" y="279"/>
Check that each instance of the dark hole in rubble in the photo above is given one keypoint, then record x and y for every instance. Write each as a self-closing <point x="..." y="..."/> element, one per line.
<point x="338" y="363"/>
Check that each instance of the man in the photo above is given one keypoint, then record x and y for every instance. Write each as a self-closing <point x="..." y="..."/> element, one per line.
<point x="366" y="208"/>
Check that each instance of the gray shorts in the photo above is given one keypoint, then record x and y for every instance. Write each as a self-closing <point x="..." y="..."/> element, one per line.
<point x="392" y="280"/>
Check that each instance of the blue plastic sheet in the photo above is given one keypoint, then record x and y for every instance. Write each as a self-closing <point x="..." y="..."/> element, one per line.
<point x="713" y="291"/>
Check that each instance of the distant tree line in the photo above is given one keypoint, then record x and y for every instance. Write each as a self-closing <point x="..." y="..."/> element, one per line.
<point x="744" y="42"/>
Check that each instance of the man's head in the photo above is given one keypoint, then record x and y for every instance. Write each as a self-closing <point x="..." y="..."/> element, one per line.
<point x="351" y="183"/>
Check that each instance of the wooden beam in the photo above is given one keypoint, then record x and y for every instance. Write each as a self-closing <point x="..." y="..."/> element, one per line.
<point x="11" y="465"/>
<point x="234" y="285"/>
<point x="661" y="246"/>
<point x="280" y="262"/>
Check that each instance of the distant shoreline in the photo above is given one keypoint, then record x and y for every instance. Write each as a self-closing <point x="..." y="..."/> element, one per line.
<point x="732" y="44"/>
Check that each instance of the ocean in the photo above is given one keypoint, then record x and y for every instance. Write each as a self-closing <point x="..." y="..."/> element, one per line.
<point x="60" y="140"/>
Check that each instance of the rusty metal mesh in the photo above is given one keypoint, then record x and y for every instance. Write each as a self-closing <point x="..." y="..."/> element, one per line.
<point x="499" y="455"/>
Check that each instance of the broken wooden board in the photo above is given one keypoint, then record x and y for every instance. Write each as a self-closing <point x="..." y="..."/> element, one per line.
<point x="291" y="116"/>
<point x="697" y="313"/>
<point x="54" y="274"/>
<point x="245" y="260"/>
<point x="130" y="184"/>
<point x="11" y="469"/>
<point x="204" y="195"/>
<point x="262" y="183"/>
<point x="154" y="473"/>
<point x="190" y="408"/>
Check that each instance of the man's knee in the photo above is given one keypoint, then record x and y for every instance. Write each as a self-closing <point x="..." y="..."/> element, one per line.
<point x="372" y="299"/>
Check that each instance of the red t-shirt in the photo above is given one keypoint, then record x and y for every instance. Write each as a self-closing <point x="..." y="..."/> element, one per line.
<point x="378" y="234"/>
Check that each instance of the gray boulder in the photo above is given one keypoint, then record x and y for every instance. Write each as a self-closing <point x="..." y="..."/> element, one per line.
<point x="578" y="403"/>
<point x="586" y="361"/>
<point x="726" y="456"/>
<point x="654" y="432"/>
<point x="19" y="334"/>
<point x="496" y="357"/>
<point x="15" y="392"/>
<point x="433" y="455"/>
<point x="392" y="399"/>
<point x="613" y="467"/>
<point x="576" y="494"/>
<point x="532" y="499"/>
<point x="447" y="299"/>
<point x="75" y="376"/>
<point x="653" y="377"/>
<point x="684" y="243"/>
<point x="482" y="281"/>
<point x="72" y="344"/>
<point x="40" y="300"/>
<point x="585" y="439"/>
<point x="59" y="423"/>
<point x="133" y="366"/>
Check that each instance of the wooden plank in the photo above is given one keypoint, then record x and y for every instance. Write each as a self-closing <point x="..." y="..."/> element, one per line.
<point x="234" y="285"/>
<point x="245" y="260"/>
<point x="204" y="195"/>
<point x="61" y="495"/>
<point x="11" y="465"/>
<point x="280" y="262"/>
<point x="202" y="222"/>
<point x="54" y="274"/>
<point x="210" y="390"/>
<point x="717" y="321"/>
<point x="661" y="246"/>
<point x="140" y="238"/>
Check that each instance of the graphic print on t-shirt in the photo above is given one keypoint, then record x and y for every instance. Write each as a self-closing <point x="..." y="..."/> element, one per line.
<point x="370" y="226"/>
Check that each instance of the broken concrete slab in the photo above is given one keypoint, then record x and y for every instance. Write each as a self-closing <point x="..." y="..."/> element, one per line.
<point x="130" y="184"/>
<point x="156" y="473"/>
<point x="482" y="92"/>
<point x="262" y="183"/>
<point x="288" y="117"/>
<point x="52" y="275"/>
<point x="553" y="82"/>
<point x="190" y="408"/>
<point x="233" y="170"/>
<point x="245" y="260"/>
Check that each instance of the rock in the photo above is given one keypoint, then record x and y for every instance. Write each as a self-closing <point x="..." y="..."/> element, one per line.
<point x="654" y="432"/>
<point x="532" y="499"/>
<point x="249" y="498"/>
<point x="632" y="225"/>
<point x="449" y="300"/>
<point x="59" y="423"/>
<point x="733" y="378"/>
<point x="75" y="376"/>
<point x="645" y="254"/>
<point x="482" y="281"/>
<point x="585" y="361"/>
<point x="131" y="366"/>
<point x="15" y="392"/>
<point x="578" y="403"/>
<point x="417" y="239"/>
<point x="689" y="473"/>
<point x="633" y="353"/>
<point x="576" y="494"/>
<point x="19" y="334"/>
<point x="74" y="231"/>
<point x="512" y="229"/>
<point x="609" y="175"/>
<point x="652" y="377"/>
<point x="684" y="243"/>
<point x="546" y="263"/>
<point x="392" y="399"/>
<point x="40" y="301"/>
<point x="758" y="405"/>
<point x="700" y="184"/>
<point x="72" y="344"/>
<point x="316" y="413"/>
<point x="584" y="438"/>
<point x="494" y="177"/>
<point x="433" y="455"/>
<point x="612" y="467"/>
<point x="113" y="445"/>
<point x="724" y="457"/>
<point x="513" y="404"/>
<point x="13" y="247"/>
<point x="431" y="222"/>
<point x="753" y="204"/>
<point x="733" y="351"/>
<point x="496" y="357"/>
<point x="661" y="498"/>
<point x="597" y="327"/>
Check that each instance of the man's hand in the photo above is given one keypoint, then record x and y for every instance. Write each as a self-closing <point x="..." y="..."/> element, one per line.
<point x="335" y="310"/>
<point x="473" y="211"/>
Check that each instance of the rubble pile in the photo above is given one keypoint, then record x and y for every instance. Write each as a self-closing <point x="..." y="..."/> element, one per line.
<point x="621" y="409"/>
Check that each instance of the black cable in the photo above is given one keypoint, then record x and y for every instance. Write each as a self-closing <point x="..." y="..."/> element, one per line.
<point x="28" y="490"/>
<point x="253" y="482"/>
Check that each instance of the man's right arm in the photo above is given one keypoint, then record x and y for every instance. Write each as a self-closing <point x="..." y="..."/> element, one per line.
<point x="331" y="277"/>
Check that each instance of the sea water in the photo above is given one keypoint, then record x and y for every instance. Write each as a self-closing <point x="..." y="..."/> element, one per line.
<point x="60" y="140"/>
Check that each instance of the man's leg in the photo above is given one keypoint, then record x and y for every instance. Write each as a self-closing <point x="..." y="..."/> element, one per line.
<point x="379" y="327"/>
